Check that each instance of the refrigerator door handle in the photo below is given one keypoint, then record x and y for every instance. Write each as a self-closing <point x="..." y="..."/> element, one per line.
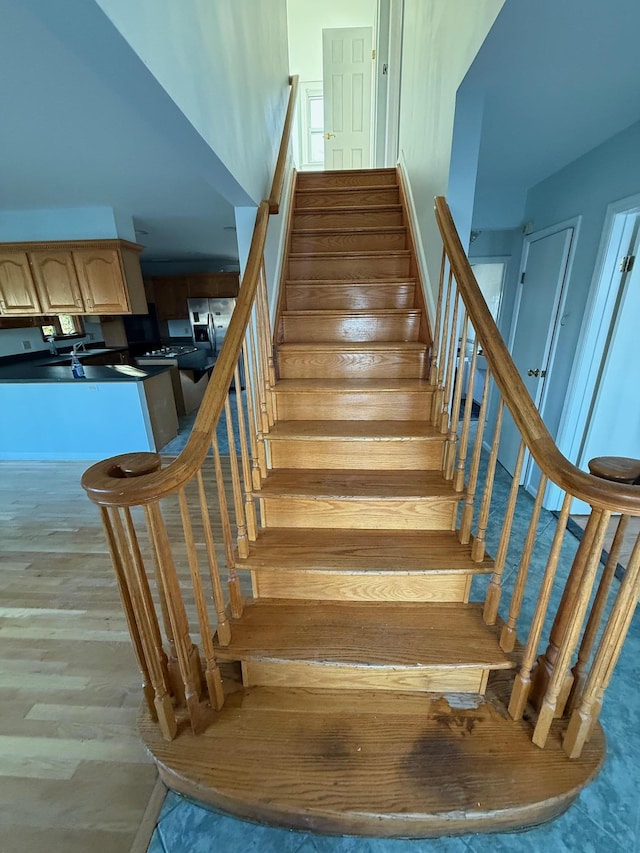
<point x="212" y="332"/>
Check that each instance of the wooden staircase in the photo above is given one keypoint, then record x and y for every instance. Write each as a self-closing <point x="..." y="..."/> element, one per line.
<point x="364" y="692"/>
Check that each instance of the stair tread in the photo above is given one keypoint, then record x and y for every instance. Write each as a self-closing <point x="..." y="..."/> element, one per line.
<point x="364" y="208"/>
<point x="357" y="484"/>
<point x="383" y="430"/>
<point x="364" y="229"/>
<point x="355" y="384"/>
<point x="353" y="346"/>
<point x="361" y="551"/>
<point x="314" y="282"/>
<point x="373" y="634"/>
<point x="302" y="191"/>
<point x="365" y="253"/>
<point x="352" y="312"/>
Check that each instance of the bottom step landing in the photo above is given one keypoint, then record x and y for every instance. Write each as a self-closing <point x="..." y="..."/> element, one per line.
<point x="376" y="763"/>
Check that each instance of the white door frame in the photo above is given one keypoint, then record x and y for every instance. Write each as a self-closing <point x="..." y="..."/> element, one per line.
<point x="551" y="343"/>
<point x="386" y="99"/>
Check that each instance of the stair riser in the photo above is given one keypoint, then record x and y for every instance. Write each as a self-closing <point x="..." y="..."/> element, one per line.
<point x="356" y="297"/>
<point x="340" y="586"/>
<point x="337" y="364"/>
<point x="358" y="178"/>
<point x="376" y="241"/>
<point x="339" y="513"/>
<point x="349" y="219"/>
<point x="401" y="327"/>
<point x="415" y="455"/>
<point x="347" y="198"/>
<point x="353" y="405"/>
<point x="356" y="267"/>
<point x="328" y="676"/>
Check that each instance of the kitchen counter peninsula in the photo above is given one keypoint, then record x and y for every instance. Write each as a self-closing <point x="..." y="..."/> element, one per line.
<point x="50" y="415"/>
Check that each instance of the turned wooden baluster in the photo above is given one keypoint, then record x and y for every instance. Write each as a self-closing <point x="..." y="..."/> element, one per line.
<point x="463" y="444"/>
<point x="450" y="445"/>
<point x="224" y="628"/>
<point x="249" y="503"/>
<point x="494" y="591"/>
<point x="259" y="367"/>
<point x="235" y="593"/>
<point x="186" y="651"/>
<point x="522" y="683"/>
<point x="547" y="661"/>
<point x="264" y="327"/>
<point x="143" y="626"/>
<point x="585" y="716"/>
<point x="466" y="520"/>
<point x="256" y="471"/>
<point x="435" y="353"/>
<point x="575" y="617"/>
<point x="442" y="360"/>
<point x="253" y="385"/>
<point x="479" y="543"/>
<point x="509" y="634"/>
<point x="242" y="540"/>
<point x="595" y="616"/>
<point x="452" y="358"/>
<point x="211" y="671"/>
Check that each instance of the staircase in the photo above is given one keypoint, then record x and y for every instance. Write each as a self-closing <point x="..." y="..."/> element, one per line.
<point x="363" y="690"/>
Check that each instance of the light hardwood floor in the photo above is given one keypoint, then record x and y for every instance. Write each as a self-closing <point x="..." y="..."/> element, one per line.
<point x="74" y="776"/>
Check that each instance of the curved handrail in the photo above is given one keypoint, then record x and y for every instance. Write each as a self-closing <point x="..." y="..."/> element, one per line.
<point x="111" y="482"/>
<point x="592" y="490"/>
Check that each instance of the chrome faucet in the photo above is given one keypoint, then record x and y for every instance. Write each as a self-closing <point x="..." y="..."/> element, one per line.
<point x="76" y="348"/>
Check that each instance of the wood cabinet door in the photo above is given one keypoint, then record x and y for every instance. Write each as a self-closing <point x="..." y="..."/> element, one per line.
<point x="101" y="281"/>
<point x="57" y="282"/>
<point x="171" y="296"/>
<point x="18" y="293"/>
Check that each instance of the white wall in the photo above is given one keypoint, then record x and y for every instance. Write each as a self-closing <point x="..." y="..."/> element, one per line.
<point x="441" y="38"/>
<point x="307" y="19"/>
<point x="225" y="65"/>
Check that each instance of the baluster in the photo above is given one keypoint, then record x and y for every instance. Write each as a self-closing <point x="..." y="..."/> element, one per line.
<point x="595" y="616"/>
<point x="224" y="628"/>
<point x="186" y="651"/>
<point x="249" y="505"/>
<point x="522" y="683"/>
<point x="452" y="438"/>
<point x="243" y="542"/>
<point x="212" y="671"/>
<point x="258" y="364"/>
<point x="235" y="593"/>
<point x="479" y="543"/>
<point x="463" y="445"/>
<point x="557" y="683"/>
<point x="495" y="586"/>
<point x="508" y="634"/>
<point x="439" y="388"/>
<point x="266" y="331"/>
<point x="256" y="471"/>
<point x="452" y="357"/>
<point x="262" y="320"/>
<point x="141" y="620"/>
<point x="585" y="716"/>
<point x="433" y="372"/>
<point x="466" y="520"/>
<point x="256" y="404"/>
<point x="547" y="661"/>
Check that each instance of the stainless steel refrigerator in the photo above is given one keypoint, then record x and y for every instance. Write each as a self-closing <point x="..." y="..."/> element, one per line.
<point x="210" y="320"/>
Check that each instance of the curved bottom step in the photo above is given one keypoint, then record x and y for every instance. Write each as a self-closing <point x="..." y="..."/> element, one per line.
<point x="376" y="764"/>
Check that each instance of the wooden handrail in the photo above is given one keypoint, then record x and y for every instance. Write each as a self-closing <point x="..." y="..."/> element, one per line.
<point x="130" y="479"/>
<point x="592" y="490"/>
<point x="278" y="177"/>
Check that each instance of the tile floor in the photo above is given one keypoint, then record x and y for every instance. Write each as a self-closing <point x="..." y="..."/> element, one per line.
<point x="605" y="817"/>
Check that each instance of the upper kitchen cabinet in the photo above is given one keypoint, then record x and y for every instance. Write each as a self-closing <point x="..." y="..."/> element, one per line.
<point x="170" y="293"/>
<point x="82" y="277"/>
<point x="18" y="295"/>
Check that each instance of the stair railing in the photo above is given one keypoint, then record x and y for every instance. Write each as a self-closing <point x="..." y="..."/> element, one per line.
<point x="589" y="625"/>
<point x="171" y="530"/>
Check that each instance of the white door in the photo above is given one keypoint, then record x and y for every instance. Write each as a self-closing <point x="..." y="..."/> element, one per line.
<point x="535" y="325"/>
<point x="347" y="77"/>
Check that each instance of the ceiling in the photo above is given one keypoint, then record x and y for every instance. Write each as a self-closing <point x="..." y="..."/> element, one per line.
<point x="557" y="80"/>
<point x="71" y="138"/>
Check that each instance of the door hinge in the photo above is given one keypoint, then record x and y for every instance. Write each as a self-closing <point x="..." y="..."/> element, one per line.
<point x="373" y="54"/>
<point x="522" y="278"/>
<point x="626" y="264"/>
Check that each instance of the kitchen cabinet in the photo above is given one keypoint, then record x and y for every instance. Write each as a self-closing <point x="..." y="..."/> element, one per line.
<point x="81" y="277"/>
<point x="170" y="293"/>
<point x="18" y="295"/>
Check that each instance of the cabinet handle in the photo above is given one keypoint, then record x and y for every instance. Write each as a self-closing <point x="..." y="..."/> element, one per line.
<point x="89" y="302"/>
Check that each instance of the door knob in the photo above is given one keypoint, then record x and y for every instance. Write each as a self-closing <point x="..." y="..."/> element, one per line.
<point x="535" y="372"/>
<point x="329" y="136"/>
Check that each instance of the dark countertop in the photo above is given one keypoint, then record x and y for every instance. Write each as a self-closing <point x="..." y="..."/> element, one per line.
<point x="30" y="372"/>
<point x="65" y="358"/>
